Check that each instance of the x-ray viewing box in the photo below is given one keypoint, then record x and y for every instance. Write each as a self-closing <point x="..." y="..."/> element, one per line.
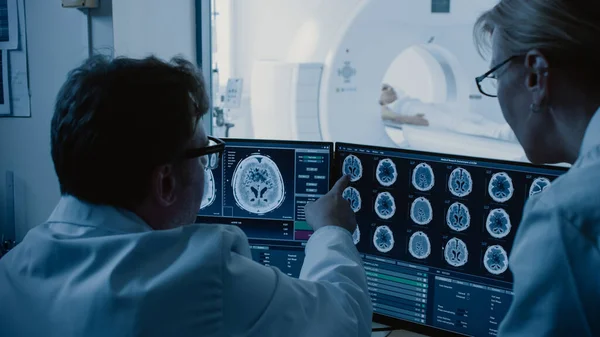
<point x="434" y="230"/>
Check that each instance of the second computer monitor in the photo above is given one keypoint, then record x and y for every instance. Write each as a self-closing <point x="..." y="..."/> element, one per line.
<point x="435" y="232"/>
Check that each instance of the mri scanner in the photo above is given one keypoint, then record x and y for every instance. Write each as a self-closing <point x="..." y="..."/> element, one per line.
<point x="337" y="99"/>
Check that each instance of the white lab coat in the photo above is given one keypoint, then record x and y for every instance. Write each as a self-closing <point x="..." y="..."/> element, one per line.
<point x="100" y="271"/>
<point x="556" y="254"/>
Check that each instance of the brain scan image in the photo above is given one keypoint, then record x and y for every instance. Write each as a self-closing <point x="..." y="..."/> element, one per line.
<point x="352" y="167"/>
<point x="386" y="173"/>
<point x="213" y="160"/>
<point x="383" y="239"/>
<point x="423" y="178"/>
<point x="210" y="192"/>
<point x="498" y="223"/>
<point x="458" y="217"/>
<point x="258" y="185"/>
<point x="385" y="206"/>
<point x="353" y="196"/>
<point x="501" y="187"/>
<point x="539" y="185"/>
<point x="356" y="235"/>
<point x="421" y="212"/>
<point x="460" y="182"/>
<point x="456" y="253"/>
<point x="419" y="246"/>
<point x="495" y="260"/>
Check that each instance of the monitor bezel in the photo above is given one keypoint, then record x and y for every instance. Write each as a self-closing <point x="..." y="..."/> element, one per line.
<point x="400" y="324"/>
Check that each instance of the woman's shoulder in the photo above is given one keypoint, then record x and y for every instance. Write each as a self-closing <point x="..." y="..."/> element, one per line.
<point x="573" y="198"/>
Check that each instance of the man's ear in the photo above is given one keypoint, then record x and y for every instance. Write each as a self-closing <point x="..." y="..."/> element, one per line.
<point x="538" y="77"/>
<point x="164" y="185"/>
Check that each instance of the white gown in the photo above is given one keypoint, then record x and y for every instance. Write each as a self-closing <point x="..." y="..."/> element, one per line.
<point x="443" y="116"/>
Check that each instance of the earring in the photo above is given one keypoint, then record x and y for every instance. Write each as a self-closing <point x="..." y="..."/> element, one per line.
<point x="535" y="108"/>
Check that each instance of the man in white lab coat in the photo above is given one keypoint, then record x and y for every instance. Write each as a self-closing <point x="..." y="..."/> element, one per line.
<point x="119" y="256"/>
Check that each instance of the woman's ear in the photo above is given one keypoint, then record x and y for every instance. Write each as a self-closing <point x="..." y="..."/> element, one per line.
<point x="538" y="76"/>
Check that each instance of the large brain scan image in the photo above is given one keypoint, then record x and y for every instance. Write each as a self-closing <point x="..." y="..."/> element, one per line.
<point x="538" y="186"/>
<point x="456" y="252"/>
<point x="352" y="167"/>
<point x="356" y="235"/>
<point x="498" y="223"/>
<point x="383" y="239"/>
<point x="423" y="178"/>
<point x="419" y="246"/>
<point x="458" y="217"/>
<point x="460" y="182"/>
<point x="501" y="187"/>
<point x="386" y="172"/>
<point x="495" y="260"/>
<point x="353" y="196"/>
<point x="258" y="185"/>
<point x="421" y="212"/>
<point x="385" y="206"/>
<point x="210" y="191"/>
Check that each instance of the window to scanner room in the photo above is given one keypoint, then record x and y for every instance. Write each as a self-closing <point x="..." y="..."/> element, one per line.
<point x="397" y="73"/>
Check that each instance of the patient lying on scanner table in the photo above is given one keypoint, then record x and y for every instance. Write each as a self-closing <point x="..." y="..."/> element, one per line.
<point x="398" y="107"/>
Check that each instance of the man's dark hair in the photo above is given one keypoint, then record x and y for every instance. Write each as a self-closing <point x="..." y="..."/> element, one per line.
<point x="116" y="120"/>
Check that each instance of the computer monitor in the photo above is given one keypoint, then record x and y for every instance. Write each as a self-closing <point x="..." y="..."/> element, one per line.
<point x="262" y="187"/>
<point x="435" y="232"/>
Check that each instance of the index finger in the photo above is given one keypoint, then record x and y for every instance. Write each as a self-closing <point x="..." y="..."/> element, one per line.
<point x="341" y="184"/>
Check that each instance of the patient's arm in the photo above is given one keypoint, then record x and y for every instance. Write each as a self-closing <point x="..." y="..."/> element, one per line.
<point x="389" y="115"/>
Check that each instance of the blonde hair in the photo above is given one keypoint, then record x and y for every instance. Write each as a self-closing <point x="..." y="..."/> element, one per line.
<point x="564" y="29"/>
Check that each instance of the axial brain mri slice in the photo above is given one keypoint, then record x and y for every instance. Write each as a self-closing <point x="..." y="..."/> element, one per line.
<point x="356" y="235"/>
<point x="386" y="172"/>
<point x="210" y="191"/>
<point x="456" y="252"/>
<point x="383" y="239"/>
<point x="538" y="186"/>
<point x="352" y="167"/>
<point x="258" y="184"/>
<point x="501" y="187"/>
<point x="385" y="206"/>
<point x="353" y="196"/>
<point x="458" y="217"/>
<point x="419" y="246"/>
<point x="421" y="212"/>
<point x="423" y="178"/>
<point x="498" y="223"/>
<point x="495" y="260"/>
<point x="460" y="182"/>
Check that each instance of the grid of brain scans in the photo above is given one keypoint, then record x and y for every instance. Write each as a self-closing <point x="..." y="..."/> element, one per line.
<point x="435" y="232"/>
<point x="262" y="186"/>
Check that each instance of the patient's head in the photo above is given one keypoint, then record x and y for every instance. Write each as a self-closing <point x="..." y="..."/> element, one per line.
<point x="119" y="133"/>
<point x="388" y="95"/>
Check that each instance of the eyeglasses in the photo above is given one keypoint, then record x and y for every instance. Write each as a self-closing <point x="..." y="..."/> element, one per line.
<point x="488" y="82"/>
<point x="210" y="155"/>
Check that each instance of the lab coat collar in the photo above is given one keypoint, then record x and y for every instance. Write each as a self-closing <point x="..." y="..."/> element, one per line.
<point x="591" y="139"/>
<point x="77" y="212"/>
